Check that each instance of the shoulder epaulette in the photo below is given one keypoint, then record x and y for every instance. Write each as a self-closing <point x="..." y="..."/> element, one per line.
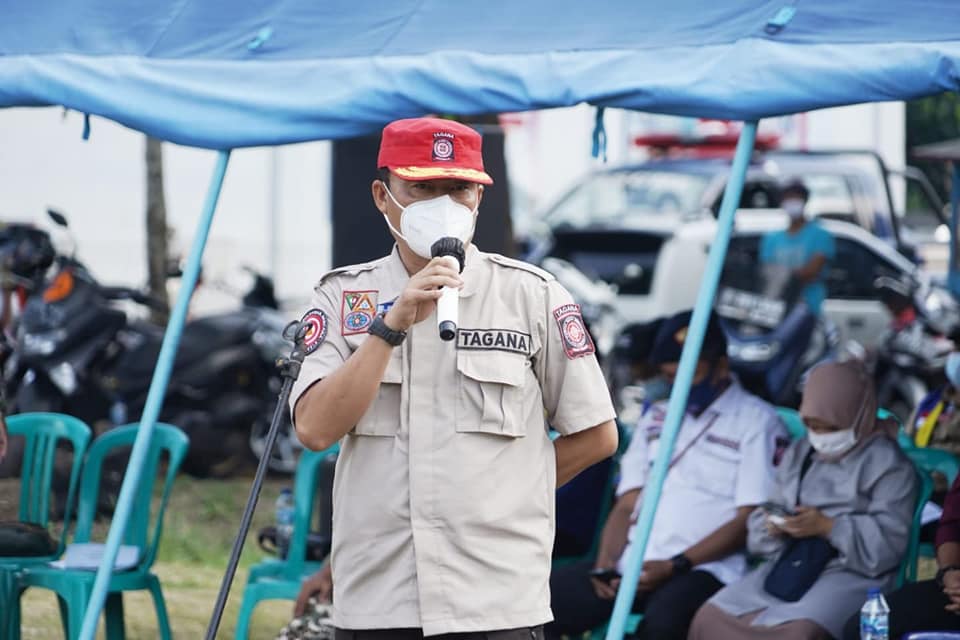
<point x="521" y="265"/>
<point x="351" y="270"/>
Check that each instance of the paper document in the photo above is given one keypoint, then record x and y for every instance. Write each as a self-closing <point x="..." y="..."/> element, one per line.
<point x="87" y="555"/>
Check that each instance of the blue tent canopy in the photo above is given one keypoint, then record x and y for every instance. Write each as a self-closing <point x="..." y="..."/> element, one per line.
<point x="220" y="74"/>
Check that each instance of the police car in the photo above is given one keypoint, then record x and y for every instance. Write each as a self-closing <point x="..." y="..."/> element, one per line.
<point x="646" y="230"/>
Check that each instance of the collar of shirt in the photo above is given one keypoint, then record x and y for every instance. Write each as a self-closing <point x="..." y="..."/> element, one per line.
<point x="398" y="276"/>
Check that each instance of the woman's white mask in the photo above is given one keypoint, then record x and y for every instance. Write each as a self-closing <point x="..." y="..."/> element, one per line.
<point x="424" y="222"/>
<point x="833" y="443"/>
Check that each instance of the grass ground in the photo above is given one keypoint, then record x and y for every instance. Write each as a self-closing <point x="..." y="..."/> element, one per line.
<point x="199" y="528"/>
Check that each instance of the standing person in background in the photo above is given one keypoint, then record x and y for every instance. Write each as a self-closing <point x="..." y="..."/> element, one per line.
<point x="804" y="247"/>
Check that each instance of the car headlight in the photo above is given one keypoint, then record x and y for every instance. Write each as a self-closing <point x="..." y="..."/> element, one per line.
<point x="65" y="377"/>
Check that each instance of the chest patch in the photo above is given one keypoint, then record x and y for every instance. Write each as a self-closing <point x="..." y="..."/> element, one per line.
<point x="357" y="310"/>
<point x="494" y="340"/>
<point x="573" y="333"/>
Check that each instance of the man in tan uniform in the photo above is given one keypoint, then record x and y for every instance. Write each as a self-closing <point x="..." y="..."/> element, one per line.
<point x="444" y="490"/>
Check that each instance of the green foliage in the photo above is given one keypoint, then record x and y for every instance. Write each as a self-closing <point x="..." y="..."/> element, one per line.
<point x="933" y="119"/>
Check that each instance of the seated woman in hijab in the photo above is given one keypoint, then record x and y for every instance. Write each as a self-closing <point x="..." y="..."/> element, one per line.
<point x="838" y="525"/>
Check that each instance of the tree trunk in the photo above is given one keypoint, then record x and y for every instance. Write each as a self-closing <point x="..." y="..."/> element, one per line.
<point x="156" y="230"/>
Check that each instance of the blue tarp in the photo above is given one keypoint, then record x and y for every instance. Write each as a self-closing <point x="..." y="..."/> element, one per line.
<point x="223" y="74"/>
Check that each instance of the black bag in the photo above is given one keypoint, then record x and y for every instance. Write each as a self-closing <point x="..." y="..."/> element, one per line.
<point x="798" y="567"/>
<point x="25" y="540"/>
<point x="801" y="562"/>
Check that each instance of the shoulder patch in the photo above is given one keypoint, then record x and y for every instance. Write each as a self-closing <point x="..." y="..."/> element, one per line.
<point x="510" y="263"/>
<point x="350" y="270"/>
<point x="573" y="333"/>
<point x="317" y="327"/>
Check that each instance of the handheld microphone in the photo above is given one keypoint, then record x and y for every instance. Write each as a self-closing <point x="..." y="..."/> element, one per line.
<point x="452" y="250"/>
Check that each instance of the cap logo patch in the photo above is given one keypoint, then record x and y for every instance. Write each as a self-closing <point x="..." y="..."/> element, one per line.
<point x="316" y="322"/>
<point x="680" y="335"/>
<point x="443" y="146"/>
<point x="357" y="311"/>
<point x="573" y="333"/>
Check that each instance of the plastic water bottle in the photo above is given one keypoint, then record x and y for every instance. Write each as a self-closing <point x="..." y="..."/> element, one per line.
<point x="875" y="617"/>
<point x="284" y="515"/>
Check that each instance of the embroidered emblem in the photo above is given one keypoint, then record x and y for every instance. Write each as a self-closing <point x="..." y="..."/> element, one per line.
<point x="723" y="442"/>
<point x="383" y="307"/>
<point x="680" y="335"/>
<point x="576" y="341"/>
<point x="357" y="311"/>
<point x="316" y="321"/>
<point x="493" y="340"/>
<point x="443" y="146"/>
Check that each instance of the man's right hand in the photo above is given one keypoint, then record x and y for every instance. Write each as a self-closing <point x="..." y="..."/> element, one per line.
<point x="319" y="584"/>
<point x="419" y="298"/>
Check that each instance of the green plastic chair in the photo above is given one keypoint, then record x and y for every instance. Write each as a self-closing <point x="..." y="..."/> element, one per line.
<point x="793" y="422"/>
<point x="908" y="569"/>
<point x="280" y="579"/>
<point x="934" y="461"/>
<point x="74" y="586"/>
<point x="42" y="433"/>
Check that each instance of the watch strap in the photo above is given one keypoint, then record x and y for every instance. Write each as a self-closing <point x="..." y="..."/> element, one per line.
<point x="681" y="564"/>
<point x="380" y="329"/>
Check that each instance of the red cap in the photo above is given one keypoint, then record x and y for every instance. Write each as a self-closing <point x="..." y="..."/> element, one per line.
<point x="432" y="148"/>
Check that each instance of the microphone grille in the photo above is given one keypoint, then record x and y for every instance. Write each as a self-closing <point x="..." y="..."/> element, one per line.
<point x="449" y="247"/>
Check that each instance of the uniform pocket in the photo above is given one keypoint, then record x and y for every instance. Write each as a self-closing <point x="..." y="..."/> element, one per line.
<point x="490" y="398"/>
<point x="383" y="416"/>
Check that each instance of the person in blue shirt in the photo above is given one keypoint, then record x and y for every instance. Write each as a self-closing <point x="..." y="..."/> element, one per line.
<point x="804" y="246"/>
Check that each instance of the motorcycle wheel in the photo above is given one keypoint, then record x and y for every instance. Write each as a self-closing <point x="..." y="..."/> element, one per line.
<point x="286" y="450"/>
<point x="227" y="461"/>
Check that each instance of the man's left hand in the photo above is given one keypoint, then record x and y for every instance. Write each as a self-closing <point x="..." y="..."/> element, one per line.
<point x="809" y="521"/>
<point x="655" y="573"/>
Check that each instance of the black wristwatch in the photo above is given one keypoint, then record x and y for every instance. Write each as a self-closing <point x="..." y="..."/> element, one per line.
<point x="944" y="571"/>
<point x="681" y="564"/>
<point x="380" y="329"/>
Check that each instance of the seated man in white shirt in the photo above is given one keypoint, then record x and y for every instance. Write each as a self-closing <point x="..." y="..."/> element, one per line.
<point x="721" y="469"/>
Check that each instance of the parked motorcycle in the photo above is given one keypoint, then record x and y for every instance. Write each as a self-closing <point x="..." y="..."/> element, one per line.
<point x="76" y="352"/>
<point x="910" y="361"/>
<point x="773" y="339"/>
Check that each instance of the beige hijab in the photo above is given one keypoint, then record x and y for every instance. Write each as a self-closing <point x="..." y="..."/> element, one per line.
<point x="842" y="394"/>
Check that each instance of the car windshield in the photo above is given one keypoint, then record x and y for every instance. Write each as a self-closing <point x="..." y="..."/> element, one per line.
<point x="614" y="198"/>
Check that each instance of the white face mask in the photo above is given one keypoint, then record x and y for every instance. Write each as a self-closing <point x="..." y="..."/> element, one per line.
<point x="833" y="443"/>
<point x="952" y="369"/>
<point x="424" y="222"/>
<point x="793" y="207"/>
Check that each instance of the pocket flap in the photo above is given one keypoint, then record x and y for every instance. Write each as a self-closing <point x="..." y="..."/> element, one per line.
<point x="492" y="366"/>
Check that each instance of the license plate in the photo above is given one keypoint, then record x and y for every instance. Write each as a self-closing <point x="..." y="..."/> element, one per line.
<point x="751" y="308"/>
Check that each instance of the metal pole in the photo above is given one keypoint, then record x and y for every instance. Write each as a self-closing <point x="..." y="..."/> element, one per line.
<point x="151" y="410"/>
<point x="681" y="386"/>
<point x="290" y="369"/>
<point x="953" y="273"/>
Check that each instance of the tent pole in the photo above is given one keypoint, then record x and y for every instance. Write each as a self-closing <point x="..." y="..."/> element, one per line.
<point x="151" y="410"/>
<point x="953" y="277"/>
<point x="681" y="386"/>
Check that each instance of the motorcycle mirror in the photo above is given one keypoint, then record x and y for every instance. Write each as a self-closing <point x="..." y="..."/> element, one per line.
<point x="57" y="217"/>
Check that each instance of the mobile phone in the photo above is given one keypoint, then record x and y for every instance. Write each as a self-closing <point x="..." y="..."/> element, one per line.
<point x="605" y="575"/>
<point x="774" y="509"/>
